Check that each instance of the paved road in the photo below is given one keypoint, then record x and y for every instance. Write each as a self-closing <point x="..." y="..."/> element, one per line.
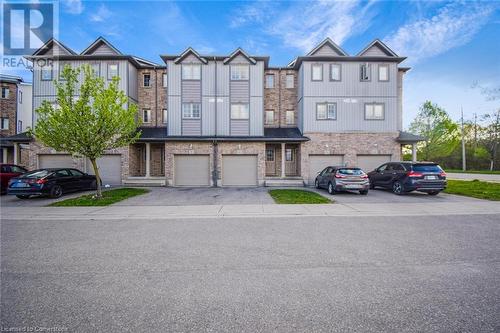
<point x="316" y="274"/>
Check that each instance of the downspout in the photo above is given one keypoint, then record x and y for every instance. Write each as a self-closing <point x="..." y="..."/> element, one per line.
<point x="214" y="143"/>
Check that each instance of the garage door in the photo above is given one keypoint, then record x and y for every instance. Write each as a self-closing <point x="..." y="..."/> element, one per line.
<point x="191" y="170"/>
<point x="239" y="170"/>
<point x="109" y="169"/>
<point x="55" y="161"/>
<point x="319" y="162"/>
<point x="371" y="162"/>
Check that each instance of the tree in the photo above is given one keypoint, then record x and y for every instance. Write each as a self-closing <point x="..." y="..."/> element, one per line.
<point x="491" y="136"/>
<point x="440" y="132"/>
<point x="87" y="125"/>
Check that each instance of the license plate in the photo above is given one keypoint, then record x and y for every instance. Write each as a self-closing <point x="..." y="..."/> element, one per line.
<point x="353" y="186"/>
<point x="20" y="184"/>
<point x="431" y="177"/>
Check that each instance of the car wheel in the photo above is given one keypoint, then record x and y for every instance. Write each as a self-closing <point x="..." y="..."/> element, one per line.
<point x="56" y="191"/>
<point x="331" y="188"/>
<point x="433" y="193"/>
<point x="316" y="183"/>
<point x="23" y="196"/>
<point x="397" y="188"/>
<point x="364" y="192"/>
<point x="372" y="186"/>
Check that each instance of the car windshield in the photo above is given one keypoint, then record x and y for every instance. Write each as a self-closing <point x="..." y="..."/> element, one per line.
<point x="350" y="172"/>
<point x="37" y="174"/>
<point x="426" y="168"/>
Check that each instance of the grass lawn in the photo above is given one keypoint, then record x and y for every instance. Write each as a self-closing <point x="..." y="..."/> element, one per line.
<point x="483" y="172"/>
<point x="108" y="198"/>
<point x="297" y="197"/>
<point x="475" y="189"/>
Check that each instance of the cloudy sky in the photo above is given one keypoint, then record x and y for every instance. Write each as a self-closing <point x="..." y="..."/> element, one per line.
<point x="451" y="46"/>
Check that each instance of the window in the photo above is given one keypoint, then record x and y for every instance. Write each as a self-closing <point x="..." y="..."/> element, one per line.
<point x="165" y="116"/>
<point x="365" y="72"/>
<point x="239" y="111"/>
<point x="165" y="80"/>
<point x="239" y="72"/>
<point x="335" y="72"/>
<point x="290" y="117"/>
<point x="383" y="72"/>
<point x="75" y="172"/>
<point x="17" y="169"/>
<point x="326" y="111"/>
<point x="269" y="117"/>
<point x="146" y="82"/>
<point x="290" y="81"/>
<point x="374" y="111"/>
<point x="20" y="97"/>
<point x="62" y="65"/>
<point x="46" y="73"/>
<point x="269" y="81"/>
<point x="191" y="71"/>
<point x="19" y="126"/>
<point x="270" y="155"/>
<point x="289" y="154"/>
<point x="96" y="68"/>
<point x="112" y="71"/>
<point x="191" y="111"/>
<point x="317" y="72"/>
<point x="62" y="173"/>
<point x="5" y="92"/>
<point x="4" y="123"/>
<point x="146" y="115"/>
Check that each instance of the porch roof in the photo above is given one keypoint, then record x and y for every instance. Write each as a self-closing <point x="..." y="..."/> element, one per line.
<point x="408" y="138"/>
<point x="20" y="137"/>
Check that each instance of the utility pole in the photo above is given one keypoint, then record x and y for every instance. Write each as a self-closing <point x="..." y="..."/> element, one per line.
<point x="464" y="163"/>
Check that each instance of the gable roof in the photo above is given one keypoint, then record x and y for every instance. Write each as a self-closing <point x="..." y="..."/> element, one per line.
<point x="328" y="42"/>
<point x="188" y="51"/>
<point x="237" y="52"/>
<point x="49" y="44"/>
<point x="98" y="42"/>
<point x="378" y="43"/>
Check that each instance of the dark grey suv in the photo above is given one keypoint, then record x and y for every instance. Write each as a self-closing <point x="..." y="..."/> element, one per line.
<point x="403" y="177"/>
<point x="336" y="179"/>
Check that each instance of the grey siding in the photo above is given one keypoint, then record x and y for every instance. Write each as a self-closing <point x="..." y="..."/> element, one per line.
<point x="132" y="82"/>
<point x="208" y="116"/>
<point x="240" y="127"/>
<point x="208" y="73"/>
<point x="191" y="127"/>
<point x="191" y="91"/>
<point x="174" y="115"/>
<point x="326" y="50"/>
<point x="374" y="51"/>
<point x="256" y="116"/>
<point x="223" y="115"/>
<point x="240" y="92"/>
<point x="103" y="49"/>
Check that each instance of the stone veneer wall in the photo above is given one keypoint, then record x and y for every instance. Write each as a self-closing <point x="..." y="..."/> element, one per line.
<point x="157" y="159"/>
<point x="153" y="97"/>
<point x="8" y="108"/>
<point x="281" y="99"/>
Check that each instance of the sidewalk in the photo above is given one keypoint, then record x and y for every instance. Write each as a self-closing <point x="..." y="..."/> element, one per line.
<point x="471" y="176"/>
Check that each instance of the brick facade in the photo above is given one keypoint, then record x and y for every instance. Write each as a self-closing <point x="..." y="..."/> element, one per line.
<point x="280" y="98"/>
<point x="153" y="97"/>
<point x="8" y="109"/>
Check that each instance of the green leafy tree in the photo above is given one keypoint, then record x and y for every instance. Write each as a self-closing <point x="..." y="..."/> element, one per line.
<point x="491" y="136"/>
<point x="87" y="125"/>
<point x="439" y="130"/>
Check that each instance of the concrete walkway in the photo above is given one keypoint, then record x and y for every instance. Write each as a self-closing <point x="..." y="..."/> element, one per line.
<point x="472" y="176"/>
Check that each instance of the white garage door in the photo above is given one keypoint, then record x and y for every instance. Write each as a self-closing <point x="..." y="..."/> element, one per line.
<point x="192" y="170"/>
<point x="239" y="170"/>
<point x="319" y="162"/>
<point x="371" y="162"/>
<point x="109" y="169"/>
<point x="55" y="161"/>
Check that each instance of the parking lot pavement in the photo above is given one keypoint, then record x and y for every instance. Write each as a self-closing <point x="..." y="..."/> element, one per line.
<point x="13" y="201"/>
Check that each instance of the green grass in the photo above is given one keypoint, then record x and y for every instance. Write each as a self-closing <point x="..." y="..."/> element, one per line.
<point x="475" y="189"/>
<point x="483" y="172"/>
<point x="297" y="197"/>
<point x="108" y="198"/>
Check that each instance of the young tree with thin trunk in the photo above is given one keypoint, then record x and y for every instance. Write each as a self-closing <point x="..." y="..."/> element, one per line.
<point x="100" y="118"/>
<point x="491" y="137"/>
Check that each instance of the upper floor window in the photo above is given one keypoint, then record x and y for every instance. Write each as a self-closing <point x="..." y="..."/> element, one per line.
<point x="269" y="117"/>
<point x="96" y="68"/>
<point x="20" y="97"/>
<point x="62" y="65"/>
<point x="269" y="81"/>
<point x="191" y="71"/>
<point x="46" y="73"/>
<point x="165" y="80"/>
<point x="374" y="111"/>
<point x="335" y="72"/>
<point x="112" y="71"/>
<point x="365" y="71"/>
<point x="326" y="111"/>
<point x="191" y="111"/>
<point x="239" y="111"/>
<point x="239" y="72"/>
<point x="4" y="123"/>
<point x="165" y="116"/>
<point x="317" y="72"/>
<point x="146" y="80"/>
<point x="383" y="72"/>
<point x="290" y="117"/>
<point x="290" y="81"/>
<point x="19" y="126"/>
<point x="5" y="92"/>
<point x="146" y="116"/>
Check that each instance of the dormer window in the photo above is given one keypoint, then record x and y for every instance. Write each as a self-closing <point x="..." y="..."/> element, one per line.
<point x="191" y="71"/>
<point x="365" y="72"/>
<point x="239" y="72"/>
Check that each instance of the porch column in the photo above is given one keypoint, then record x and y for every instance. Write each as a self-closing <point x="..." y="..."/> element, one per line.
<point x="16" y="153"/>
<point x="148" y="159"/>
<point x="413" y="152"/>
<point x="283" y="160"/>
<point x="4" y="155"/>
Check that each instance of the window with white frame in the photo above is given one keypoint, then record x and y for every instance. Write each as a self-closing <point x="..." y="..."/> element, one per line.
<point x="365" y="72"/>
<point x="46" y="73"/>
<point x="290" y="117"/>
<point x="191" y="111"/>
<point x="239" y="111"/>
<point x="239" y="72"/>
<point x="62" y="65"/>
<point x="146" y="115"/>
<point x="269" y="81"/>
<point x="191" y="71"/>
<point x="326" y="111"/>
<point x="335" y="72"/>
<point x="20" y="97"/>
<point x="5" y="92"/>
<point x="290" y="81"/>
<point x="165" y="80"/>
<point x="165" y="116"/>
<point x="269" y="117"/>
<point x="270" y="154"/>
<point x="374" y="111"/>
<point x="96" y="68"/>
<point x="146" y="80"/>
<point x="19" y="126"/>
<point x="317" y="72"/>
<point x="383" y="72"/>
<point x="112" y="71"/>
<point x="4" y="123"/>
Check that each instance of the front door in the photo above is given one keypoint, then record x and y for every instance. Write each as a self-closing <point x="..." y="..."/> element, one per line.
<point x="270" y="161"/>
<point x="290" y="161"/>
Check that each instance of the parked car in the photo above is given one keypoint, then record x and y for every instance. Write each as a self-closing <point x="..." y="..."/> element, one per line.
<point x="8" y="171"/>
<point x="404" y="177"/>
<point x="52" y="182"/>
<point x="337" y="179"/>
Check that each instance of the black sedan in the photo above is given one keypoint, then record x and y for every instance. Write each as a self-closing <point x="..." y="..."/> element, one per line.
<point x="51" y="182"/>
<point x="404" y="177"/>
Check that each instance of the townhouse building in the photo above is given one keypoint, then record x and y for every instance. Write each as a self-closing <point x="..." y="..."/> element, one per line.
<point x="233" y="120"/>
